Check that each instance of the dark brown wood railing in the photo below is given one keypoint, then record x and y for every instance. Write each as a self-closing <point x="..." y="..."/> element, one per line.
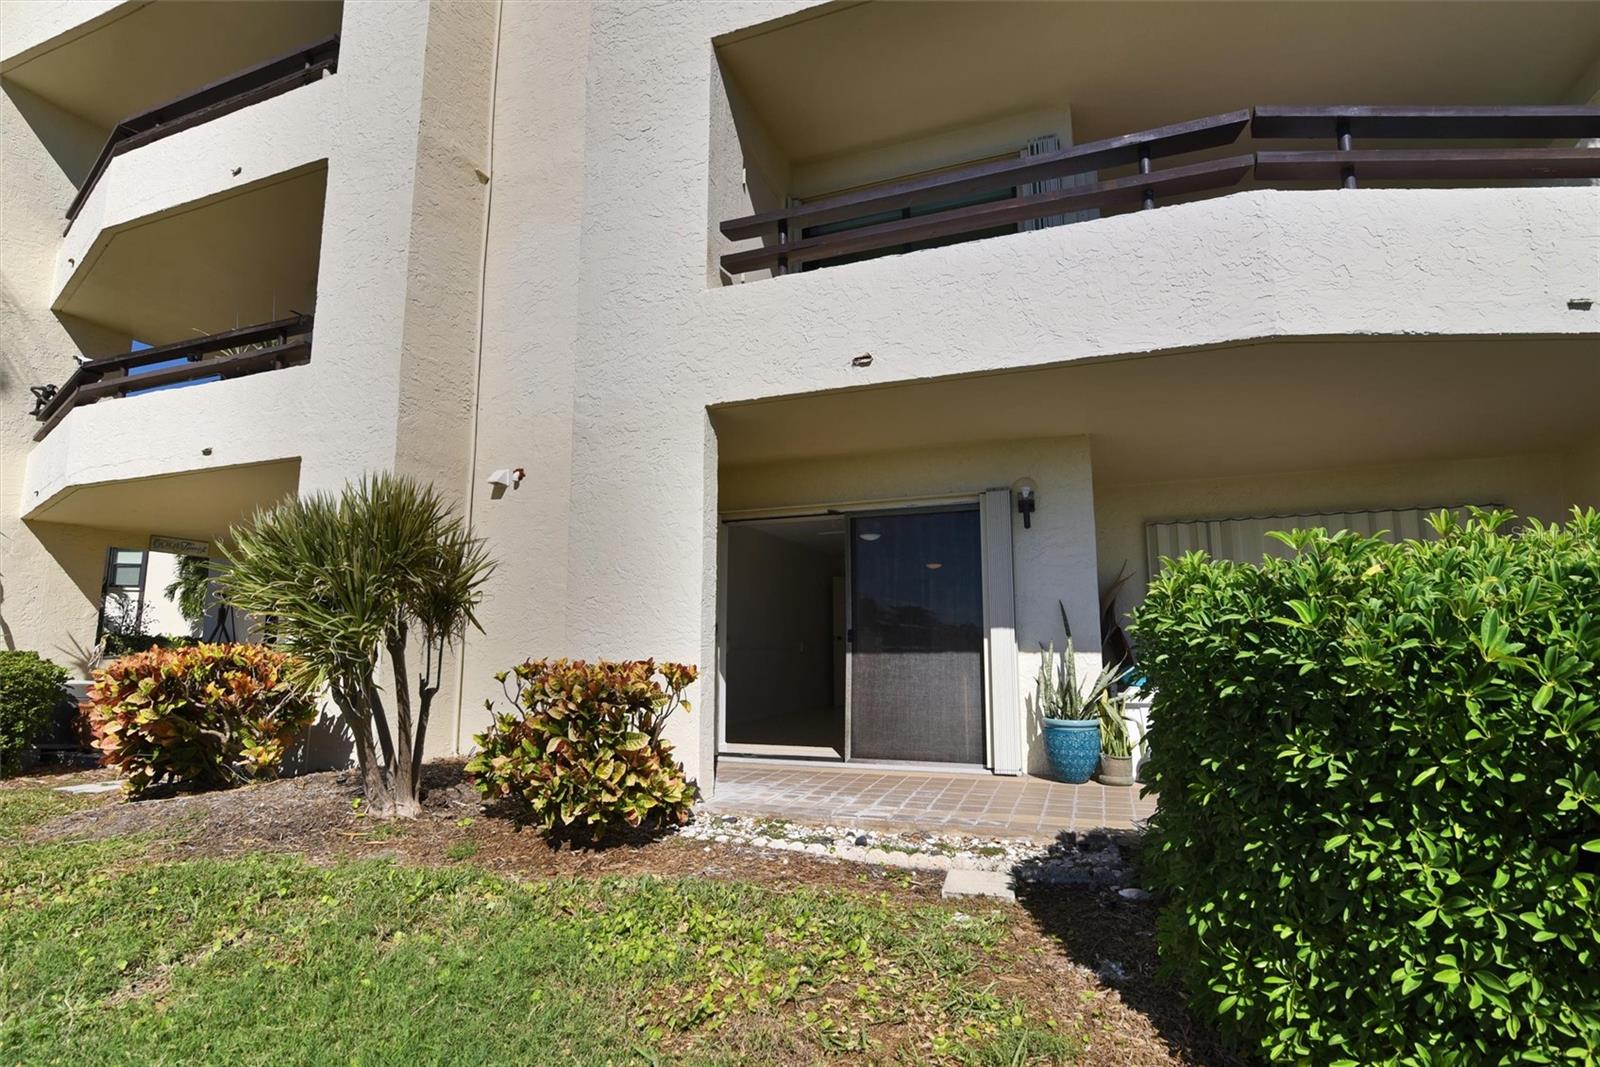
<point x="261" y="82"/>
<point x="790" y="246"/>
<point x="230" y="354"/>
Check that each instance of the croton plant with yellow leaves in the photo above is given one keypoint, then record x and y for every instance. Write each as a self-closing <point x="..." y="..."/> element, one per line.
<point x="205" y="715"/>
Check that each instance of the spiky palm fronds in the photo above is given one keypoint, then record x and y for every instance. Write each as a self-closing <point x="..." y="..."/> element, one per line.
<point x="344" y="579"/>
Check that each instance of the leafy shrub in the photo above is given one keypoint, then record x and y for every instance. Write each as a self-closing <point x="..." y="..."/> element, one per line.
<point x="1379" y="771"/>
<point x="583" y="752"/>
<point x="208" y="715"/>
<point x="30" y="690"/>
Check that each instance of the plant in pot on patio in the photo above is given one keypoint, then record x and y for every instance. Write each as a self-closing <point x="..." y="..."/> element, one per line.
<point x="1116" y="743"/>
<point x="1071" y="710"/>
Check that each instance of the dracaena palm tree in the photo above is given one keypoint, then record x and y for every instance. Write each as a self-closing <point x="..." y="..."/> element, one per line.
<point x="382" y="570"/>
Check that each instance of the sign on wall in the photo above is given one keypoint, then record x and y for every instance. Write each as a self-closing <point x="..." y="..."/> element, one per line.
<point x="179" y="546"/>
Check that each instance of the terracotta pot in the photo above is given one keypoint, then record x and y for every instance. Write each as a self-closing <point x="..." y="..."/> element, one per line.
<point x="1116" y="770"/>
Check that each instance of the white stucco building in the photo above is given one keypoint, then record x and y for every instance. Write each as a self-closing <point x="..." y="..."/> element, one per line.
<point x="481" y="236"/>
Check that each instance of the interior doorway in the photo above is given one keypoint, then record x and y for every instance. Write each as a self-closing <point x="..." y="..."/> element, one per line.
<point x="855" y="637"/>
<point x="785" y="641"/>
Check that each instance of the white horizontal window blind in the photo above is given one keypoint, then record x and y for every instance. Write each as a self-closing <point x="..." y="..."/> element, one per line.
<point x="1245" y="540"/>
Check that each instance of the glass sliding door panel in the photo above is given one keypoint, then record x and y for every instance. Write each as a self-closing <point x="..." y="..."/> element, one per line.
<point x="916" y="666"/>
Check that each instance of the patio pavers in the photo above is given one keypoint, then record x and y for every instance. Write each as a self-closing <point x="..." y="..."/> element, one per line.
<point x="939" y="801"/>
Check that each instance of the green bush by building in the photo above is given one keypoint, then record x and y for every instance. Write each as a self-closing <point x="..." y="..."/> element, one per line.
<point x="1379" y="770"/>
<point x="30" y="690"/>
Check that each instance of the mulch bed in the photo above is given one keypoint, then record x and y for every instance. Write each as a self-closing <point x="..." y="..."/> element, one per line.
<point x="1063" y="938"/>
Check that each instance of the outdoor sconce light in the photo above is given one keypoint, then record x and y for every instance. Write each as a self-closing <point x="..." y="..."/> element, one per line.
<point x="503" y="479"/>
<point x="1025" y="502"/>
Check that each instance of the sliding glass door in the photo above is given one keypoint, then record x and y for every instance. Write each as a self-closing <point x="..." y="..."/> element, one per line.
<point x="916" y="655"/>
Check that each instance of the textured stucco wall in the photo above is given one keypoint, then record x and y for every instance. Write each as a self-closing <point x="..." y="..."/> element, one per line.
<point x="342" y="412"/>
<point x="651" y="345"/>
<point x="605" y="338"/>
<point x="531" y="322"/>
<point x="46" y="584"/>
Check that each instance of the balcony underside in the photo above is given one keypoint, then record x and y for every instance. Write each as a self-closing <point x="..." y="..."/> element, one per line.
<point x="1219" y="412"/>
<point x="198" y="505"/>
<point x="96" y="73"/>
<point x="245" y="256"/>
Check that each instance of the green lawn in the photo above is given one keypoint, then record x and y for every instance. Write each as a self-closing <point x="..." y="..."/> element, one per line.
<point x="109" y="956"/>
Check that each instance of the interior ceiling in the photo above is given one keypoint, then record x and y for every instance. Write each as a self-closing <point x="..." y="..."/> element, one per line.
<point x="247" y="257"/>
<point x="153" y="52"/>
<point x="1250" y="409"/>
<point x="199" y="505"/>
<point x="855" y="75"/>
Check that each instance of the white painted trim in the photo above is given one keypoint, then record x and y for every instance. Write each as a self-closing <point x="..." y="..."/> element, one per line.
<point x="722" y="639"/>
<point x="1005" y="725"/>
<point x="877" y="766"/>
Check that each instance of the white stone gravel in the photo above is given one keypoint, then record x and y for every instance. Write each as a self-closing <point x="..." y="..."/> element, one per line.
<point x="1091" y="859"/>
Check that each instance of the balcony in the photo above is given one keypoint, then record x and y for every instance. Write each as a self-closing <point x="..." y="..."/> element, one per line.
<point x="217" y="289"/>
<point x="261" y="82"/>
<point x="128" y="77"/>
<point x="852" y="131"/>
<point x="1440" y="145"/>
<point x="230" y="354"/>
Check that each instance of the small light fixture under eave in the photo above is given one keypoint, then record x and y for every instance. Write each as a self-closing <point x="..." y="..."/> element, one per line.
<point x="1024" y="490"/>
<point x="869" y="536"/>
<point x="933" y="566"/>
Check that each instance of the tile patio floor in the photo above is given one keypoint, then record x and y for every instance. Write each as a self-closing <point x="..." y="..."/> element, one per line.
<point x="949" y="802"/>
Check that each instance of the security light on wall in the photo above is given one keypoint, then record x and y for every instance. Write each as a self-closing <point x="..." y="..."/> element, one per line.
<point x="505" y="478"/>
<point x="1026" y="501"/>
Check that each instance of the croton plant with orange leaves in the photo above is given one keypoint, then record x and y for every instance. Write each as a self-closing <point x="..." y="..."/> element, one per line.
<point x="582" y="752"/>
<point x="207" y="715"/>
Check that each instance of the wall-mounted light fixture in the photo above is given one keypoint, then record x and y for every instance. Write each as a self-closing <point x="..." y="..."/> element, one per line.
<point x="503" y="479"/>
<point x="1026" y="502"/>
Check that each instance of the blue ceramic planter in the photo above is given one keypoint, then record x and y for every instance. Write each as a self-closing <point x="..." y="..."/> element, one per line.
<point x="1074" y="748"/>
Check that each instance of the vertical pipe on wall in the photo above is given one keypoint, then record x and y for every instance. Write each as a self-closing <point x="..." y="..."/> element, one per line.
<point x="477" y="373"/>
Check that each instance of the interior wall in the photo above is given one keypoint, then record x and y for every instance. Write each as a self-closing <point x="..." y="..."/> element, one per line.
<point x="1531" y="485"/>
<point x="1054" y="560"/>
<point x="779" y="640"/>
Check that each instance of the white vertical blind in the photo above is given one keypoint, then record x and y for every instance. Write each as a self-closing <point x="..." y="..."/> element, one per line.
<point x="1041" y="146"/>
<point x="1245" y="540"/>
<point x="1000" y="635"/>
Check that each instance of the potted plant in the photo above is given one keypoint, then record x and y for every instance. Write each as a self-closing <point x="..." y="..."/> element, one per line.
<point x="1116" y="745"/>
<point x="1071" y="711"/>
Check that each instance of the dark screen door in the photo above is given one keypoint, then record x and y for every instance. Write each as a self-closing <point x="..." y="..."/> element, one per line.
<point x="916" y="661"/>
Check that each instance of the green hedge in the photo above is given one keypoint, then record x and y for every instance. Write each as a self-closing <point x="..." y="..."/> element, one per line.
<point x="30" y="690"/>
<point x="1379" y="776"/>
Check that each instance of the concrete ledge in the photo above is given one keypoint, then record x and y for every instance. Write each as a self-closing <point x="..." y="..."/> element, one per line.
<point x="964" y="883"/>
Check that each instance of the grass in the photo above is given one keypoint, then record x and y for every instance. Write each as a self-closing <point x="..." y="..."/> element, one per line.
<point x="109" y="955"/>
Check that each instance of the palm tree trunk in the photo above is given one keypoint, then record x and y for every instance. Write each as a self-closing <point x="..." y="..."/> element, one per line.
<point x="405" y="767"/>
<point x="374" y="783"/>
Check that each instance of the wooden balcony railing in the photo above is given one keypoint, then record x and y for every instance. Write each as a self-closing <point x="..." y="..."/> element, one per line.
<point x="793" y="242"/>
<point x="231" y="354"/>
<point x="269" y="79"/>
